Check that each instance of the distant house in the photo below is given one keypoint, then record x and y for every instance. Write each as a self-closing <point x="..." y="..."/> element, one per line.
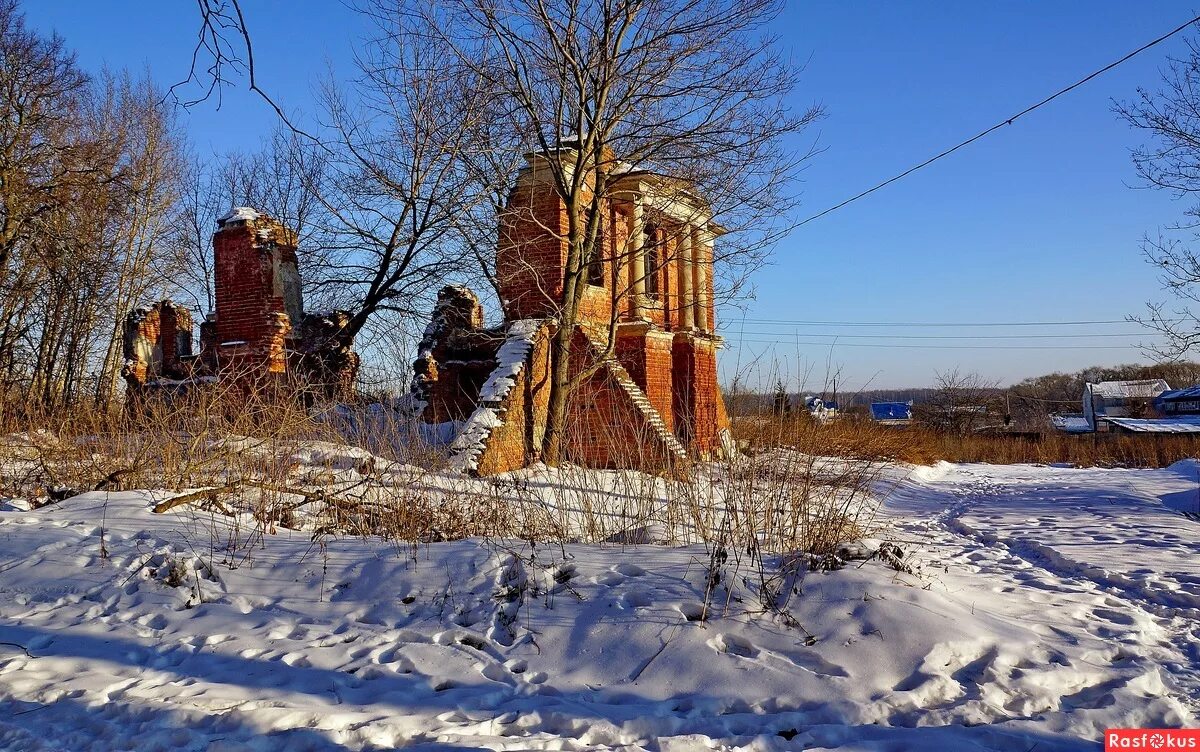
<point x="1120" y="399"/>
<point x="821" y="410"/>
<point x="1176" y="425"/>
<point x="1178" y="402"/>
<point x="1071" y="423"/>
<point x="892" y="413"/>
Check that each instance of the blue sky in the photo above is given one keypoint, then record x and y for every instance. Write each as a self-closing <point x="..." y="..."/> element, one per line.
<point x="1037" y="222"/>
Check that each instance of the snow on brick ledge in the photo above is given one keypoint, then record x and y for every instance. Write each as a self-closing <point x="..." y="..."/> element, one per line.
<point x="239" y="214"/>
<point x="510" y="359"/>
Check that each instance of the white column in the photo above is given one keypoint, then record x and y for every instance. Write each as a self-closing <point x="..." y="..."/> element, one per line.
<point x="638" y="259"/>
<point x="686" y="261"/>
<point x="700" y="269"/>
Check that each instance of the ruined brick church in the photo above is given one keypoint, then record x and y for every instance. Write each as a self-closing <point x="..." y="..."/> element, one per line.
<point x="259" y="337"/>
<point x="644" y="348"/>
<point x="650" y="400"/>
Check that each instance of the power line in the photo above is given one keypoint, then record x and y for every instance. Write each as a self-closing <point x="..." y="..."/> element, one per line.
<point x="795" y="322"/>
<point x="743" y="340"/>
<point x="1003" y="123"/>
<point x="933" y="336"/>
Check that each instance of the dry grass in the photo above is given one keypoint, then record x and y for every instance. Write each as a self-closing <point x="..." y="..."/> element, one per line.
<point x="369" y="474"/>
<point x="859" y="438"/>
<point x="263" y="464"/>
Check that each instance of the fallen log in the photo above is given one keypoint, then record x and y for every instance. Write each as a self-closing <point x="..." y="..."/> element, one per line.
<point x="209" y="494"/>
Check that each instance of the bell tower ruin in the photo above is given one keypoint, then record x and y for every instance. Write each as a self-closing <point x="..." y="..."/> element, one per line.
<point x="257" y="290"/>
<point x="650" y="285"/>
<point x="258" y="336"/>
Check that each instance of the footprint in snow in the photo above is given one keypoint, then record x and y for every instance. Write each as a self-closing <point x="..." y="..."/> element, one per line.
<point x="392" y="658"/>
<point x="496" y="672"/>
<point x="516" y="666"/>
<point x="155" y="621"/>
<point x="618" y="574"/>
<point x="733" y="645"/>
<point x="295" y="660"/>
<point x="564" y="574"/>
<point x="288" y="632"/>
<point x="1116" y="617"/>
<point x="609" y="578"/>
<point x="635" y="599"/>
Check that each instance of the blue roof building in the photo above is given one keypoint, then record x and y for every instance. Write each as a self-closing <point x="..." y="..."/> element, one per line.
<point x="892" y="413"/>
<point x="1178" y="402"/>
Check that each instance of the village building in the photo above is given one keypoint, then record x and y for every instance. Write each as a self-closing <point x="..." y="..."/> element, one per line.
<point x="259" y="336"/>
<point x="645" y="345"/>
<point x="1141" y="407"/>
<point x="1178" y="402"/>
<point x="1120" y="399"/>
<point x="892" y="413"/>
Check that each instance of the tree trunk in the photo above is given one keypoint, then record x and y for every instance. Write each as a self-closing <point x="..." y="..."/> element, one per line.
<point x="556" y="411"/>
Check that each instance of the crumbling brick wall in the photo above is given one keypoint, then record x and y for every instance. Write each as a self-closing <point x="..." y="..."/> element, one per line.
<point x="606" y="425"/>
<point x="699" y="414"/>
<point x="454" y="358"/>
<point x="324" y="357"/>
<point x="259" y="333"/>
<point x="157" y="344"/>
<point x="516" y="442"/>
<point x="257" y="294"/>
<point x="645" y="352"/>
<point x="531" y="255"/>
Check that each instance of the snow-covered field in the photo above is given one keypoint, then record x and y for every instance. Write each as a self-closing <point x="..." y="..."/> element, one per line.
<point x="1052" y="603"/>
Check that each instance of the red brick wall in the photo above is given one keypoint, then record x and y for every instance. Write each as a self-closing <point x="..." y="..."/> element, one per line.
<point x="142" y="333"/>
<point x="517" y="442"/>
<point x="646" y="355"/>
<point x="242" y="283"/>
<point x="249" y="299"/>
<point x="176" y="326"/>
<point x="531" y="253"/>
<point x="507" y="448"/>
<point x="706" y="414"/>
<point x="682" y="372"/>
<point x="669" y="284"/>
<point x="605" y="428"/>
<point x="700" y="413"/>
<point x="152" y="342"/>
<point x="455" y="393"/>
<point x="168" y="329"/>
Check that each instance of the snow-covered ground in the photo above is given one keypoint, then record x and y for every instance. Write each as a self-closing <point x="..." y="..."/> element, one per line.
<point x="1052" y="603"/>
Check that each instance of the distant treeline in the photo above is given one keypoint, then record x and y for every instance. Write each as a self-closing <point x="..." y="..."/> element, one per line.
<point x="1024" y="406"/>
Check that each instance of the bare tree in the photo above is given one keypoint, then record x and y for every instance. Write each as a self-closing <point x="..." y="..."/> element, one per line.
<point x="40" y="89"/>
<point x="388" y="202"/>
<point x="140" y="210"/>
<point x="962" y="403"/>
<point x="690" y="89"/>
<point x="87" y="184"/>
<point x="1170" y="160"/>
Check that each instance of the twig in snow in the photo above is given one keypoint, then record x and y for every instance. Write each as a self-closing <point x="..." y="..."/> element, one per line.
<point x="22" y="647"/>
